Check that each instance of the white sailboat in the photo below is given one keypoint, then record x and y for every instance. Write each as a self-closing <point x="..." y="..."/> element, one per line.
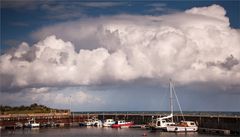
<point x="170" y="126"/>
<point x="161" y="123"/>
<point x="182" y="126"/>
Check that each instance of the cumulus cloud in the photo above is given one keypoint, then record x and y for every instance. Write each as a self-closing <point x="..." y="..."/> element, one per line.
<point x="197" y="45"/>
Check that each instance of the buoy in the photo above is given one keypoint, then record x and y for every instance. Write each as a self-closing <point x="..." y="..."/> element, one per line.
<point x="144" y="134"/>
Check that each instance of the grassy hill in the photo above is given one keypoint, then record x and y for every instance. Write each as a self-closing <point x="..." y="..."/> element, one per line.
<point x="33" y="108"/>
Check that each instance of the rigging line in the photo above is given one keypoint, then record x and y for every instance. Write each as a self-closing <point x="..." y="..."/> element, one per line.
<point x="178" y="102"/>
<point x="171" y="98"/>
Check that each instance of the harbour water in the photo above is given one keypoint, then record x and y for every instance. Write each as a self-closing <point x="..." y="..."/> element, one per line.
<point x="94" y="132"/>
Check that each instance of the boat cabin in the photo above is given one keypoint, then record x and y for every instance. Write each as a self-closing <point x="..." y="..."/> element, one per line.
<point x="120" y="122"/>
<point x="159" y="122"/>
<point x="187" y="124"/>
<point x="109" y="120"/>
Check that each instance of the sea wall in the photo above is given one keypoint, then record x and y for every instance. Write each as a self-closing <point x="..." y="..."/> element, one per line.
<point x="231" y="123"/>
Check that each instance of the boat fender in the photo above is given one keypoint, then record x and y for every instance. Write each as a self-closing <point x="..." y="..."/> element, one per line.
<point x="176" y="129"/>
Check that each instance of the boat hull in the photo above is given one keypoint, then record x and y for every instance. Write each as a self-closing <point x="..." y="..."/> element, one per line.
<point x="108" y="123"/>
<point x="122" y="125"/>
<point x="158" y="128"/>
<point x="181" y="129"/>
<point x="34" y="125"/>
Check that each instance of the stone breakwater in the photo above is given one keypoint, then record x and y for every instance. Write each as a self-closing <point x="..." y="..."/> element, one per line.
<point x="206" y="123"/>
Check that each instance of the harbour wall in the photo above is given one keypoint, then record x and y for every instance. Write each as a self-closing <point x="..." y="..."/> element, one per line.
<point x="231" y="123"/>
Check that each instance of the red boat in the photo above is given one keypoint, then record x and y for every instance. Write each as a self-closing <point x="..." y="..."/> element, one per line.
<point x="122" y="123"/>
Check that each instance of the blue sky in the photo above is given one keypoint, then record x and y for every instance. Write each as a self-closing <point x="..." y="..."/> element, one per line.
<point x="21" y="18"/>
<point x="99" y="32"/>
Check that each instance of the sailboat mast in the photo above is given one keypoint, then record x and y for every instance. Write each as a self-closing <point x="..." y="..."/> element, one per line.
<point x="171" y="98"/>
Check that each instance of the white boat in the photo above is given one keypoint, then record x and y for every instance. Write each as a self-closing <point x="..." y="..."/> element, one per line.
<point x="18" y="125"/>
<point x="97" y="123"/>
<point x="161" y="123"/>
<point x="32" y="124"/>
<point x="89" y="122"/>
<point x="166" y="123"/>
<point x="93" y="122"/>
<point x="183" y="126"/>
<point x="108" y="122"/>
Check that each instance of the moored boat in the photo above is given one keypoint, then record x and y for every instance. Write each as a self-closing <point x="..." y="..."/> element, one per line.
<point x="183" y="126"/>
<point x="166" y="123"/>
<point x="120" y="123"/>
<point x="108" y="122"/>
<point x="18" y="125"/>
<point x="161" y="123"/>
<point x="32" y="124"/>
<point x="89" y="122"/>
<point x="97" y="123"/>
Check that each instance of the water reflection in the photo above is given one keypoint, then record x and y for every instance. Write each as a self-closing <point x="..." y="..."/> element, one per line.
<point x="92" y="132"/>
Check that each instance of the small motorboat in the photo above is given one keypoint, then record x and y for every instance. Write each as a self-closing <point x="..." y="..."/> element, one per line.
<point x="183" y="126"/>
<point x="89" y="122"/>
<point x="120" y="123"/>
<point x="108" y="122"/>
<point x="97" y="123"/>
<point x="18" y="125"/>
<point x="32" y="124"/>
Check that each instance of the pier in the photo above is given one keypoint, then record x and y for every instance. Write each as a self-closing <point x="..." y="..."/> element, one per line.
<point x="228" y="125"/>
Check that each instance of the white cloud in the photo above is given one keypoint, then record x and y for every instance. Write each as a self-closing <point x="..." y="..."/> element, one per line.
<point x="53" y="97"/>
<point x="192" y="46"/>
<point x="214" y="11"/>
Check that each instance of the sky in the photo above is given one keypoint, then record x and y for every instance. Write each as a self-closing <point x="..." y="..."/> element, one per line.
<point x="120" y="55"/>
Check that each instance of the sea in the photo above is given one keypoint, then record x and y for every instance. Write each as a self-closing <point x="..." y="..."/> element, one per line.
<point x="94" y="132"/>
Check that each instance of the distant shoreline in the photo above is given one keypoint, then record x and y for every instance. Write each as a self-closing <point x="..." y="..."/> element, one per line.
<point x="32" y="109"/>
